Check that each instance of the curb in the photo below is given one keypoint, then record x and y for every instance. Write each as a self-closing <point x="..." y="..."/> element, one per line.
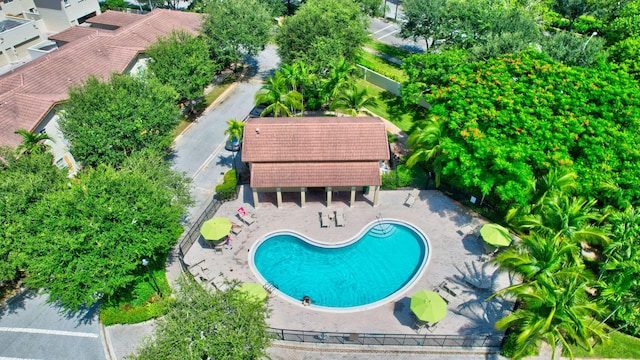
<point x="107" y="346"/>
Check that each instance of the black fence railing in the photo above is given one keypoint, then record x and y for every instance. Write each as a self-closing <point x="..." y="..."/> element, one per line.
<point x="458" y="341"/>
<point x="193" y="233"/>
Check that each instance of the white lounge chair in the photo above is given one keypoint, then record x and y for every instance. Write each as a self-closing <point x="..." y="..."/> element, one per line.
<point x="236" y="229"/>
<point x="246" y="216"/>
<point x="410" y="200"/>
<point x="324" y="220"/>
<point x="340" y="217"/>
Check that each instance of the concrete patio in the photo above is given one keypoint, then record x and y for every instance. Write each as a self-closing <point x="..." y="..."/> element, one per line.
<point x="455" y="253"/>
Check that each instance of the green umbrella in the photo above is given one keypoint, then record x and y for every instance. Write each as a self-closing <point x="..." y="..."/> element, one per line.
<point x="496" y="235"/>
<point x="253" y="290"/>
<point x="428" y="306"/>
<point x="215" y="228"/>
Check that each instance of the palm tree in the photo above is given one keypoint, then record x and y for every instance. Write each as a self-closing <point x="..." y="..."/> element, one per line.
<point x="279" y="100"/>
<point x="351" y="100"/>
<point x="234" y="130"/>
<point x="338" y="76"/>
<point x="426" y="146"/>
<point x="32" y="142"/>
<point x="558" y="311"/>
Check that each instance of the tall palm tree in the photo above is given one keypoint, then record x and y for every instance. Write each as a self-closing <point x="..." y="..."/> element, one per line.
<point x="279" y="99"/>
<point x="426" y="145"/>
<point x="338" y="76"/>
<point x="32" y="142"/>
<point x="351" y="100"/>
<point x="557" y="311"/>
<point x="234" y="130"/>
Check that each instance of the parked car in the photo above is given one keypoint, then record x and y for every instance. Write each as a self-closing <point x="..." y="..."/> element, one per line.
<point x="233" y="144"/>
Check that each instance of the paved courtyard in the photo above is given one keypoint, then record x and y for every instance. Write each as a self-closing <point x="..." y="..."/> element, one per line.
<point x="455" y="253"/>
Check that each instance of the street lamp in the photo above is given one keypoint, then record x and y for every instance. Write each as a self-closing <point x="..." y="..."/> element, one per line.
<point x="584" y="47"/>
<point x="145" y="263"/>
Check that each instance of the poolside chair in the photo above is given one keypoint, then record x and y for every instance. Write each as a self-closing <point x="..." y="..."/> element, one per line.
<point x="324" y="220"/>
<point x="443" y="294"/>
<point x="410" y="200"/>
<point x="450" y="288"/>
<point x="236" y="229"/>
<point x="217" y="249"/>
<point x="245" y="216"/>
<point x="340" y="217"/>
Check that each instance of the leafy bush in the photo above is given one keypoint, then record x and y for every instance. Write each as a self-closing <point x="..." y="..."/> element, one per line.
<point x="403" y="177"/>
<point x="587" y="25"/>
<point x="227" y="190"/>
<point x="509" y="347"/>
<point x="127" y="314"/>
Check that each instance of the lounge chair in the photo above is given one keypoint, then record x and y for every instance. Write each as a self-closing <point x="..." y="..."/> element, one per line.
<point x="450" y="288"/>
<point x="236" y="229"/>
<point x="410" y="200"/>
<point x="443" y="294"/>
<point x="340" y="217"/>
<point x="324" y="220"/>
<point x="218" y="282"/>
<point x="245" y="216"/>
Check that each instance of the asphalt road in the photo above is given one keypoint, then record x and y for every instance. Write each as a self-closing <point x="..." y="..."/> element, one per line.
<point x="32" y="329"/>
<point x="388" y="32"/>
<point x="199" y="150"/>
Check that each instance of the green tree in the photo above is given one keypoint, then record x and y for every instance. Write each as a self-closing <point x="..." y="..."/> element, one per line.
<point x="371" y="7"/>
<point x="627" y="24"/>
<point x="557" y="311"/>
<point x="104" y="223"/>
<point x="235" y="28"/>
<point x="574" y="50"/>
<point x="279" y="100"/>
<point x="181" y="60"/>
<point x="26" y="181"/>
<point x="235" y="129"/>
<point x="321" y="32"/>
<point x="625" y="53"/>
<point x="209" y="325"/>
<point x="425" y="19"/>
<point x="351" y="100"/>
<point x="571" y="9"/>
<point x="430" y="70"/>
<point x="32" y="142"/>
<point x="108" y="121"/>
<point x="426" y="146"/>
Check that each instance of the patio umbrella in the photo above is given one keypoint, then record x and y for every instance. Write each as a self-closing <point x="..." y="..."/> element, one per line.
<point x="496" y="235"/>
<point x="253" y="290"/>
<point x="215" y="228"/>
<point x="428" y="306"/>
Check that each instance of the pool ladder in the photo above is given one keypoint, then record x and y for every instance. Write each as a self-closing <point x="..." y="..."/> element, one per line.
<point x="381" y="225"/>
<point x="269" y="287"/>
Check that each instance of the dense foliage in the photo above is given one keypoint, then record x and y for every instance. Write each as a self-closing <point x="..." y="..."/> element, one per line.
<point x="322" y="32"/>
<point x="26" y="180"/>
<point x="103" y="224"/>
<point x="106" y="122"/>
<point x="513" y="118"/>
<point x="181" y="60"/>
<point x="209" y="325"/>
<point x="234" y="28"/>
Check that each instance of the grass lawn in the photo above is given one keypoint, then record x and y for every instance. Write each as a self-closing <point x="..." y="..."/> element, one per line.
<point x="141" y="302"/>
<point x="392" y="108"/>
<point x="381" y="66"/>
<point x="620" y="346"/>
<point x="393" y="51"/>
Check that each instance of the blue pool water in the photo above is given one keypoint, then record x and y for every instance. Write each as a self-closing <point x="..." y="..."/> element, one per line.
<point x="381" y="262"/>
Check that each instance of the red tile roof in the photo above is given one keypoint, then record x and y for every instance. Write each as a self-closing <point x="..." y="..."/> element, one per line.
<point x="314" y="151"/>
<point x="115" y="18"/>
<point x="29" y="92"/>
<point x="75" y="33"/>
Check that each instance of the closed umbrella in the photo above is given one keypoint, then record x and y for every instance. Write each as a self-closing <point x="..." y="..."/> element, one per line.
<point x="496" y="235"/>
<point x="215" y="228"/>
<point x="428" y="306"/>
<point x="254" y="291"/>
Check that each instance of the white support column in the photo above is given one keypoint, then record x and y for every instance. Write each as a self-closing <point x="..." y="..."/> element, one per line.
<point x="375" y="195"/>
<point x="303" y="197"/>
<point x="256" y="202"/>
<point x="352" y="202"/>
<point x="328" y="196"/>
<point x="279" y="196"/>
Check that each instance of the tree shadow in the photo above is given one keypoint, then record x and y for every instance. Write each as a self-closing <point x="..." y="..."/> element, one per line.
<point x="16" y="302"/>
<point x="225" y="160"/>
<point x="82" y="316"/>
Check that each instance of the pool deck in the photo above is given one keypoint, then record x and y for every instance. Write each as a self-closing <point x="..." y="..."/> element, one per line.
<point x="455" y="253"/>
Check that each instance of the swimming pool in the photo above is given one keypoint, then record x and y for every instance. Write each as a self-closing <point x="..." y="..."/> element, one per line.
<point x="382" y="260"/>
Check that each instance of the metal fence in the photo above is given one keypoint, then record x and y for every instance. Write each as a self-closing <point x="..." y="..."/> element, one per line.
<point x="471" y="341"/>
<point x="193" y="233"/>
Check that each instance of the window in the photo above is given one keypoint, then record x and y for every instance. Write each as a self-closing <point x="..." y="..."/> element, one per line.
<point x="66" y="3"/>
<point x="7" y="1"/>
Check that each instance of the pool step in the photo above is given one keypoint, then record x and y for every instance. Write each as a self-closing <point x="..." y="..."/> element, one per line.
<point x="382" y="230"/>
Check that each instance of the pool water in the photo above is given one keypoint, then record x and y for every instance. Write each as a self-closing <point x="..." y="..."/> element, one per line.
<point x="382" y="261"/>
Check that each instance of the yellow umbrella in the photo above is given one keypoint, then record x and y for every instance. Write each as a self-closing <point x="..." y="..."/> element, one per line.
<point x="254" y="291"/>
<point x="428" y="306"/>
<point x="215" y="228"/>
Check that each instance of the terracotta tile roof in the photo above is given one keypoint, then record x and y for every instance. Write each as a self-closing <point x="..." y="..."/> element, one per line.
<point x="115" y="18"/>
<point x="29" y="92"/>
<point x="314" y="139"/>
<point x="75" y="33"/>
<point x="314" y="174"/>
<point x="314" y="151"/>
